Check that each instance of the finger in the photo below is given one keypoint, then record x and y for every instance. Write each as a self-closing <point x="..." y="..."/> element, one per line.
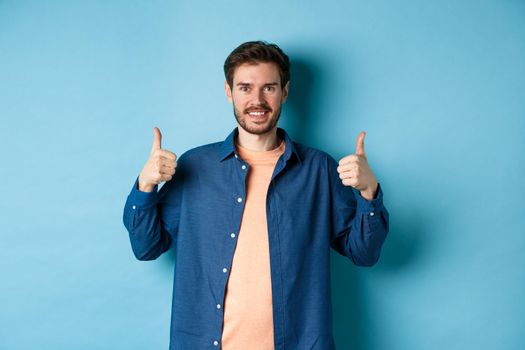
<point x="348" y="159"/>
<point x="348" y="174"/>
<point x="168" y="165"/>
<point x="161" y="163"/>
<point x="165" y="154"/>
<point x="167" y="170"/>
<point x="166" y="161"/>
<point x="157" y="139"/>
<point x="159" y="177"/>
<point x="346" y="167"/>
<point x="360" y="145"/>
<point x="165" y="177"/>
<point x="345" y="175"/>
<point x="350" y="182"/>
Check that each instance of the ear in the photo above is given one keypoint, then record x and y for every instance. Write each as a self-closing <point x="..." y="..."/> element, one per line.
<point x="228" y="91"/>
<point x="285" y="92"/>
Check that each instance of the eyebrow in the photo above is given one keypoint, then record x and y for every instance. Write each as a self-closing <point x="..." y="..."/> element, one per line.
<point x="249" y="84"/>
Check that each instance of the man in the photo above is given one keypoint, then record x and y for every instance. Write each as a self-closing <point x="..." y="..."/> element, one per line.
<point x="252" y="220"/>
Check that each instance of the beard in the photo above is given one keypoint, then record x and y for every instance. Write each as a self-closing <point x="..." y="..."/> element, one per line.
<point x="257" y="128"/>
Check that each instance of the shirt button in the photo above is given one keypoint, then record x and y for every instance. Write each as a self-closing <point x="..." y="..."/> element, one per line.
<point x="243" y="167"/>
<point x="236" y="156"/>
<point x="232" y="235"/>
<point x="134" y="207"/>
<point x="239" y="199"/>
<point x="215" y="342"/>
<point x="372" y="214"/>
<point x="224" y="270"/>
<point x="218" y="306"/>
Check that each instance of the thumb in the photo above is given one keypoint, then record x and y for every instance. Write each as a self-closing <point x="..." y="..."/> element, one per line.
<point x="157" y="138"/>
<point x="360" y="145"/>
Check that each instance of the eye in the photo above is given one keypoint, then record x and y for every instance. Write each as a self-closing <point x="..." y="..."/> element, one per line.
<point x="269" y="88"/>
<point x="243" y="88"/>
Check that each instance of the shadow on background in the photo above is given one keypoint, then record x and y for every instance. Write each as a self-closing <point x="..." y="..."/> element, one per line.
<point x="405" y="241"/>
<point x="297" y="119"/>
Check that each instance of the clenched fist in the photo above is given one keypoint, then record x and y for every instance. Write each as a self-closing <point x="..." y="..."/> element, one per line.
<point x="160" y="166"/>
<point x="354" y="170"/>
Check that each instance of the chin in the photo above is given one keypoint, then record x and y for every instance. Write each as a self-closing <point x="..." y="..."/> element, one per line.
<point x="257" y="130"/>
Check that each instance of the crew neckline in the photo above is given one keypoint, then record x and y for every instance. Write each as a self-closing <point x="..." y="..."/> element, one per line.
<point x="261" y="156"/>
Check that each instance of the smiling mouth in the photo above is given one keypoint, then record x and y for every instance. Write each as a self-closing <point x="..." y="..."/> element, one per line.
<point x="258" y="113"/>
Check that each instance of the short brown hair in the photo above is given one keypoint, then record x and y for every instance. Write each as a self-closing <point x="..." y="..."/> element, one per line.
<point x="253" y="52"/>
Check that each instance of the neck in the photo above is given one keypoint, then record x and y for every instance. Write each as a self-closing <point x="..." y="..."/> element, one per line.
<point x="258" y="143"/>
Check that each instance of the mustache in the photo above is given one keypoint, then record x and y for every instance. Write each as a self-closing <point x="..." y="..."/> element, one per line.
<point x="263" y="107"/>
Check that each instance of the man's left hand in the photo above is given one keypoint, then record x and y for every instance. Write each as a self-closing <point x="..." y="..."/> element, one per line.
<point x="354" y="170"/>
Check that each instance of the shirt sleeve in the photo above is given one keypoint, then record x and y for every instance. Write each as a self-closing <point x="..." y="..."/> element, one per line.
<point x="360" y="226"/>
<point x="152" y="218"/>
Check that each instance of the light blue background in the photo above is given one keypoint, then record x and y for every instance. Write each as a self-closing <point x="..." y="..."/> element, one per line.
<point x="439" y="86"/>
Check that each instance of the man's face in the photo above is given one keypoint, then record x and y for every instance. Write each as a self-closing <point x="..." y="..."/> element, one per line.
<point x="257" y="97"/>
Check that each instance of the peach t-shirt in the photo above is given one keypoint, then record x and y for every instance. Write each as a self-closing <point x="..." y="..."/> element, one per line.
<point x="248" y="316"/>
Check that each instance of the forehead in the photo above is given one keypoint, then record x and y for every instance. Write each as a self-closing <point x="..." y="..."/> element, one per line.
<point x="264" y="72"/>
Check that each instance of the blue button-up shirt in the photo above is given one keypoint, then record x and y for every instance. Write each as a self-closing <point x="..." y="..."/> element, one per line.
<point x="308" y="211"/>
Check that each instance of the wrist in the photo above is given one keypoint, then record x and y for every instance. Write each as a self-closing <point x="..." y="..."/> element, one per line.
<point x="145" y="187"/>
<point x="370" y="192"/>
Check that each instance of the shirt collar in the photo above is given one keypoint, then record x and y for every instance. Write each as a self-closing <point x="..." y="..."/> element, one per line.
<point x="227" y="148"/>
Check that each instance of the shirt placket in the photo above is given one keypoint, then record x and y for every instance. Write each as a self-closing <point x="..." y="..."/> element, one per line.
<point x="239" y="200"/>
<point x="272" y="212"/>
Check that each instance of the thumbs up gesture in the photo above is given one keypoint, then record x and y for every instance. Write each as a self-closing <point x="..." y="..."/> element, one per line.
<point x="160" y="166"/>
<point x="354" y="170"/>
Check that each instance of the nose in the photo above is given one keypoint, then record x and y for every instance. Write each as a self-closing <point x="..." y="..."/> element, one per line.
<point x="258" y="97"/>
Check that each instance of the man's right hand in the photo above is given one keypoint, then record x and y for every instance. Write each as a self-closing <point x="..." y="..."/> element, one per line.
<point x="160" y="166"/>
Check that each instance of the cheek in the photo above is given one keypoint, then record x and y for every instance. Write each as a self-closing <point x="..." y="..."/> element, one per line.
<point x="238" y="102"/>
<point x="275" y="100"/>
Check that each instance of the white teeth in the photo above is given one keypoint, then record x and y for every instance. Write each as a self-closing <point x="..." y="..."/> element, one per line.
<point x="256" y="113"/>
